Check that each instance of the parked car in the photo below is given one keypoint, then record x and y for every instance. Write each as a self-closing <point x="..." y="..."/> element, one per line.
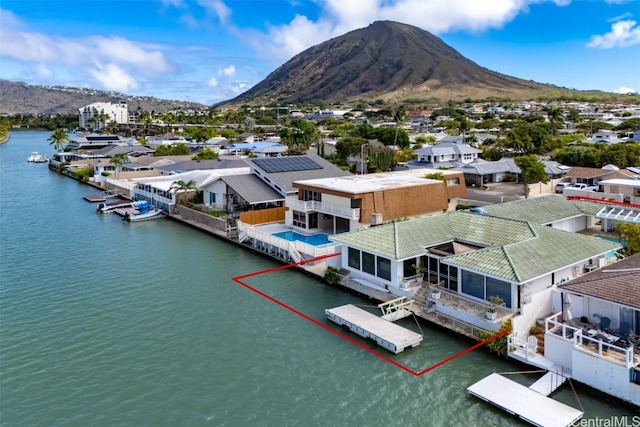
<point x="583" y="186"/>
<point x="561" y="186"/>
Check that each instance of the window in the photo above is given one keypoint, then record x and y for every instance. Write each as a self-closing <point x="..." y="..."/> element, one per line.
<point x="453" y="181"/>
<point x="473" y="284"/>
<point x="369" y="263"/>
<point x="313" y="220"/>
<point x="311" y="195"/>
<point x="299" y="219"/>
<point x="384" y="268"/>
<point x="500" y="288"/>
<point x="354" y="258"/>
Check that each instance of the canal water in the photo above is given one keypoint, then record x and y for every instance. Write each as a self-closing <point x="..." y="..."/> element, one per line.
<point x="111" y="323"/>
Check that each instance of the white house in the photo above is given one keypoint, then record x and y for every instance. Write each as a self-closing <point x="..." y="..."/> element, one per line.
<point x="447" y="154"/>
<point x="472" y="257"/>
<point x="594" y="333"/>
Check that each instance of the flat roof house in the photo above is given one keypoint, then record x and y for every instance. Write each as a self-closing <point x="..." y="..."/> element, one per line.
<point x="346" y="203"/>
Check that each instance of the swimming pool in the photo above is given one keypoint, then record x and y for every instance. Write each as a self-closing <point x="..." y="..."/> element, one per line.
<point x="315" y="239"/>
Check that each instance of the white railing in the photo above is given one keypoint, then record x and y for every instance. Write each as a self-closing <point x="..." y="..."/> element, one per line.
<point x="582" y="341"/>
<point x="327" y="208"/>
<point x="154" y="196"/>
<point x="295" y="248"/>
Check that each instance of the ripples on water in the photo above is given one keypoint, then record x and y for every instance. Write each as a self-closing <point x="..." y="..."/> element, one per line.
<point x="111" y="323"/>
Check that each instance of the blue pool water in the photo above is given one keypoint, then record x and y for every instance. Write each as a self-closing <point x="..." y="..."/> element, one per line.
<point x="314" y="239"/>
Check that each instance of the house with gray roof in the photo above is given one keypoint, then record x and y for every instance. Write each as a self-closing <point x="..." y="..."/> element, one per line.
<point x="472" y="257"/>
<point x="446" y="155"/>
<point x="480" y="171"/>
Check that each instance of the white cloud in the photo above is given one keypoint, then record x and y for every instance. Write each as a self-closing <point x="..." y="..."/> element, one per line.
<point x="217" y="7"/>
<point x="82" y="56"/>
<point x="112" y="77"/>
<point x="213" y="82"/>
<point x="623" y="89"/>
<point x="42" y="71"/>
<point x="622" y="34"/>
<point x="341" y="16"/>
<point x="227" y="71"/>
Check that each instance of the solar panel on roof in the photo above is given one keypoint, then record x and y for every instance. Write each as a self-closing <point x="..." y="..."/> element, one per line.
<point x="286" y="164"/>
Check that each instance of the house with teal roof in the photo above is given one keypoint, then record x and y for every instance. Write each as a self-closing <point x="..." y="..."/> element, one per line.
<point x="473" y="258"/>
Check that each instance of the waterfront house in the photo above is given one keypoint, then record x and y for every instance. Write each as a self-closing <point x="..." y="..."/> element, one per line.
<point x="350" y="202"/>
<point x="594" y="333"/>
<point x="471" y="257"/>
<point x="157" y="190"/>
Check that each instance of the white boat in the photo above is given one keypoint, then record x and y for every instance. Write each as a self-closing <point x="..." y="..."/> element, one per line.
<point x="36" y="157"/>
<point x="143" y="212"/>
<point x="114" y="206"/>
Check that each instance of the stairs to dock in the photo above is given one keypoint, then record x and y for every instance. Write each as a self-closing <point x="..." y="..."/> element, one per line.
<point x="550" y="381"/>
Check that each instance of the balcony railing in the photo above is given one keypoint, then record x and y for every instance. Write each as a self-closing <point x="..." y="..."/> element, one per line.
<point x="326" y="208"/>
<point x="594" y="345"/>
<point x="458" y="302"/>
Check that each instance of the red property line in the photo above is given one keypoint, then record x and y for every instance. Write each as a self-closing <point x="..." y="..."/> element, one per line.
<point x="238" y="280"/>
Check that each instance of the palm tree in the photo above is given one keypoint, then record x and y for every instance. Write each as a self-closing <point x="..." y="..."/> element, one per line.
<point x="182" y="186"/>
<point x="555" y="117"/>
<point x="399" y="117"/>
<point x="118" y="160"/>
<point x="58" y="138"/>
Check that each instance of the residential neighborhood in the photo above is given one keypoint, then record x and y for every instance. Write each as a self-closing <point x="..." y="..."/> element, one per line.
<point x="417" y="230"/>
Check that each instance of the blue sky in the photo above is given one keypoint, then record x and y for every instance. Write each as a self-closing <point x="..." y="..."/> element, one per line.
<point x="212" y="50"/>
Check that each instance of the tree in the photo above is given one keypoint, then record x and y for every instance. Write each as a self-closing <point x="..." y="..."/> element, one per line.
<point x="555" y="117"/>
<point x="532" y="171"/>
<point x="58" y="138"/>
<point x="205" y="154"/>
<point x="182" y="186"/>
<point x="118" y="160"/>
<point x="630" y="237"/>
<point x="399" y="116"/>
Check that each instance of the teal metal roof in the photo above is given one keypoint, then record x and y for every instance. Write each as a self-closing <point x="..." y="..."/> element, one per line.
<point x="539" y="210"/>
<point x="406" y="239"/>
<point x="513" y="250"/>
<point x="518" y="262"/>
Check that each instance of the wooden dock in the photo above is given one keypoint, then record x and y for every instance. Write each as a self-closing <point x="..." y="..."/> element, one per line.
<point x="524" y="402"/>
<point x="388" y="335"/>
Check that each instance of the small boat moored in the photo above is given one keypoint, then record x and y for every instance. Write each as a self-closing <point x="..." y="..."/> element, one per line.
<point x="142" y="212"/>
<point x="36" y="157"/>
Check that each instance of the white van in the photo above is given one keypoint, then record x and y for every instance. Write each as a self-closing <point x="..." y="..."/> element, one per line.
<point x="561" y="186"/>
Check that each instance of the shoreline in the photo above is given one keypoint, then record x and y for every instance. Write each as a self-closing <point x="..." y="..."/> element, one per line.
<point x="421" y="314"/>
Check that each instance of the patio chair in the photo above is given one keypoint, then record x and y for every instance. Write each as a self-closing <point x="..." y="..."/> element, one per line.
<point x="605" y="322"/>
<point x="625" y="330"/>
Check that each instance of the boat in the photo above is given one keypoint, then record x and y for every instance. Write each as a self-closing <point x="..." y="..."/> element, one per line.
<point x="36" y="157"/>
<point x="142" y="212"/>
<point x="113" y="206"/>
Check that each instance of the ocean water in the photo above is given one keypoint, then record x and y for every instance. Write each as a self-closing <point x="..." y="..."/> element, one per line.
<point x="108" y="323"/>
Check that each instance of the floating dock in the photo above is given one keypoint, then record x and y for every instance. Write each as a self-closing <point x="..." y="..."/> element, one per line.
<point x="388" y="335"/>
<point x="102" y="197"/>
<point x="524" y="402"/>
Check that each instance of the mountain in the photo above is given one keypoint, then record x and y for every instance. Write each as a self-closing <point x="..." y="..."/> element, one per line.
<point x="21" y="98"/>
<point x="390" y="61"/>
